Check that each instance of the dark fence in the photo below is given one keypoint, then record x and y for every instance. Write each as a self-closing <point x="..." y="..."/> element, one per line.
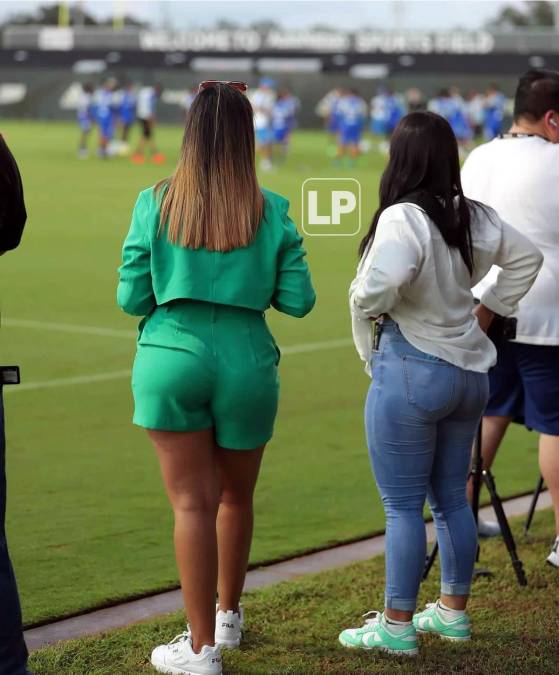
<point x="42" y="84"/>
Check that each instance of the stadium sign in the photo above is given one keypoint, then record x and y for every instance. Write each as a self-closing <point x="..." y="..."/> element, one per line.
<point x="456" y="42"/>
<point x="314" y="41"/>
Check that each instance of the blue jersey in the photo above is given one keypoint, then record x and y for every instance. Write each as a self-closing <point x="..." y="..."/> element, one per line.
<point x="334" y="117"/>
<point x="104" y="111"/>
<point x="443" y="106"/>
<point x="128" y="107"/>
<point x="493" y="115"/>
<point x="352" y="111"/>
<point x="454" y="111"/>
<point x="459" y="120"/>
<point x="104" y="105"/>
<point x="395" y="110"/>
<point x="283" y="113"/>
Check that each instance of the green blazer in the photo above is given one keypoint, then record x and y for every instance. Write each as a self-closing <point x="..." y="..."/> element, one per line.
<point x="270" y="271"/>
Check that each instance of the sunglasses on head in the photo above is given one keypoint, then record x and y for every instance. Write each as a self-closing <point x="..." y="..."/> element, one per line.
<point x="209" y="84"/>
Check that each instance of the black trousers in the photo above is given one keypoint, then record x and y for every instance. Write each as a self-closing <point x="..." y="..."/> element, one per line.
<point x="13" y="652"/>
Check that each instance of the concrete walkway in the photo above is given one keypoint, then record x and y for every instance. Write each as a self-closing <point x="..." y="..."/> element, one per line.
<point x="102" y="620"/>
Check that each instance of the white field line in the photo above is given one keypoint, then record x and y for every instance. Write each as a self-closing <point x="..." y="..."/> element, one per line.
<point x="69" y="328"/>
<point x="303" y="348"/>
<point x="65" y="381"/>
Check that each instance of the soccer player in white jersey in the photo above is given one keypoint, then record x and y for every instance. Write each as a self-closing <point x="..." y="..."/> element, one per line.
<point x="146" y="108"/>
<point x="263" y="100"/>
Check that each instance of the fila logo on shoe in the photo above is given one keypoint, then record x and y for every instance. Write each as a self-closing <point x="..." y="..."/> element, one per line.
<point x="228" y="625"/>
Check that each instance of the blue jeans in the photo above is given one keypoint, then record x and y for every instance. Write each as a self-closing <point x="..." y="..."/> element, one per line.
<point x="421" y="418"/>
<point x="13" y="652"/>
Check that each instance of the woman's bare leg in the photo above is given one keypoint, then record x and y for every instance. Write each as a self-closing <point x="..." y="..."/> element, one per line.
<point x="238" y="472"/>
<point x="549" y="467"/>
<point x="189" y="467"/>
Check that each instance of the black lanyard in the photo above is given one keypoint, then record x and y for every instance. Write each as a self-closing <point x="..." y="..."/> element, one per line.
<point x="522" y="135"/>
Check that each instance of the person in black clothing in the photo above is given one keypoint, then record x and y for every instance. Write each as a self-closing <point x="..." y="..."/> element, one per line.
<point x="13" y="651"/>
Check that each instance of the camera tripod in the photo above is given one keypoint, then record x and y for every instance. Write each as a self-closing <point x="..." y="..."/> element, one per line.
<point x="533" y="503"/>
<point x="479" y="475"/>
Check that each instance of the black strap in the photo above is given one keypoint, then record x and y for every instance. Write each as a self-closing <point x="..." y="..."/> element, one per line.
<point x="514" y="134"/>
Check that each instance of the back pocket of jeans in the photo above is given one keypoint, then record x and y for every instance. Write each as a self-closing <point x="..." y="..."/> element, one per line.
<point x="429" y="384"/>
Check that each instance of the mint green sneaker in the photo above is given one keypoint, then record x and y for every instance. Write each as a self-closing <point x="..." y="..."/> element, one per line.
<point x="431" y="620"/>
<point x="376" y="634"/>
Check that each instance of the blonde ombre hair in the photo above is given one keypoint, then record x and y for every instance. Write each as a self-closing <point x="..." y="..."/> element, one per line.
<point x="213" y="199"/>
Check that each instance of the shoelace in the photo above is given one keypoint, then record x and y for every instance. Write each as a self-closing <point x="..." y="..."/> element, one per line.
<point x="179" y="639"/>
<point x="373" y="620"/>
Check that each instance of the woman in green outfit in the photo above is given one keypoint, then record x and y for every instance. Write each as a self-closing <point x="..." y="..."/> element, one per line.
<point x="207" y="253"/>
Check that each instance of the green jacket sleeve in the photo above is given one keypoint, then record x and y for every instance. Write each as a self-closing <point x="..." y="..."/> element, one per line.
<point x="294" y="293"/>
<point x="135" y="291"/>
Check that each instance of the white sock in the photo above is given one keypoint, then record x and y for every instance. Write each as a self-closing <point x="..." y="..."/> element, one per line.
<point x="396" y="626"/>
<point x="450" y="614"/>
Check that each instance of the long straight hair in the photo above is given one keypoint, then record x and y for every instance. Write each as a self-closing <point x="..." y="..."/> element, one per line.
<point x="213" y="199"/>
<point x="424" y="160"/>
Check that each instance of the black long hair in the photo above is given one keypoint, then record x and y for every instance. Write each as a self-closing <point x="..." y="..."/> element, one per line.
<point x="424" y="162"/>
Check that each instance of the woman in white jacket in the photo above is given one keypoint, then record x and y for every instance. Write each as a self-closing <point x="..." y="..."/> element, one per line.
<point x="426" y="248"/>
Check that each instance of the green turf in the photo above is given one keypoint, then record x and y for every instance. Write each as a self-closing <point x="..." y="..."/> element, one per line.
<point x="88" y="522"/>
<point x="293" y="627"/>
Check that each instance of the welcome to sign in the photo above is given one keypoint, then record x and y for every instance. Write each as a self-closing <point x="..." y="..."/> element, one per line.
<point x="363" y="42"/>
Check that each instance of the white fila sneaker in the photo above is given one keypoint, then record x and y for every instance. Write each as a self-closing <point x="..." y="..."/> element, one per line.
<point x="178" y="658"/>
<point x="553" y="557"/>
<point x="229" y="628"/>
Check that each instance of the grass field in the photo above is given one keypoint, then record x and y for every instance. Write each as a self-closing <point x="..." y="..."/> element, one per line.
<point x="88" y="521"/>
<point x="292" y="628"/>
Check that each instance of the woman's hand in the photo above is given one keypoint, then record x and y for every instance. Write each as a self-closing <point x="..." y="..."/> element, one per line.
<point x="484" y="317"/>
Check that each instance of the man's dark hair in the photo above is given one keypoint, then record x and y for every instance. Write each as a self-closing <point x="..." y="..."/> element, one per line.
<point x="537" y="92"/>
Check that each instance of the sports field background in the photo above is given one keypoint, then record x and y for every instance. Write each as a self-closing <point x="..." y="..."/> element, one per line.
<point x="87" y="517"/>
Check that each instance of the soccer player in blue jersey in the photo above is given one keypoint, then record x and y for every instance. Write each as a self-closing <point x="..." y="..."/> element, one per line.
<point x="85" y="118"/>
<point x="327" y="109"/>
<point x="379" y="112"/>
<point x="352" y="111"/>
<point x="284" y="120"/>
<point x="459" y="120"/>
<point x="450" y="105"/>
<point x="127" y="111"/>
<point x="105" y="111"/>
<point x="494" y="112"/>
<point x="387" y="109"/>
<point x="396" y="109"/>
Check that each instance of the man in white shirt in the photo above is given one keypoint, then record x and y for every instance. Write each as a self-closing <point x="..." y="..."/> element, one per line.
<point x="518" y="175"/>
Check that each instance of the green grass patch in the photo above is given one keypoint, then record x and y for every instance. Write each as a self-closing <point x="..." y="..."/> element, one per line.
<point x="293" y="627"/>
<point x="88" y="521"/>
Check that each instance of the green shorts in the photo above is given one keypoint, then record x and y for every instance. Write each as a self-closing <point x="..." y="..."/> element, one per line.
<point x="201" y="365"/>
